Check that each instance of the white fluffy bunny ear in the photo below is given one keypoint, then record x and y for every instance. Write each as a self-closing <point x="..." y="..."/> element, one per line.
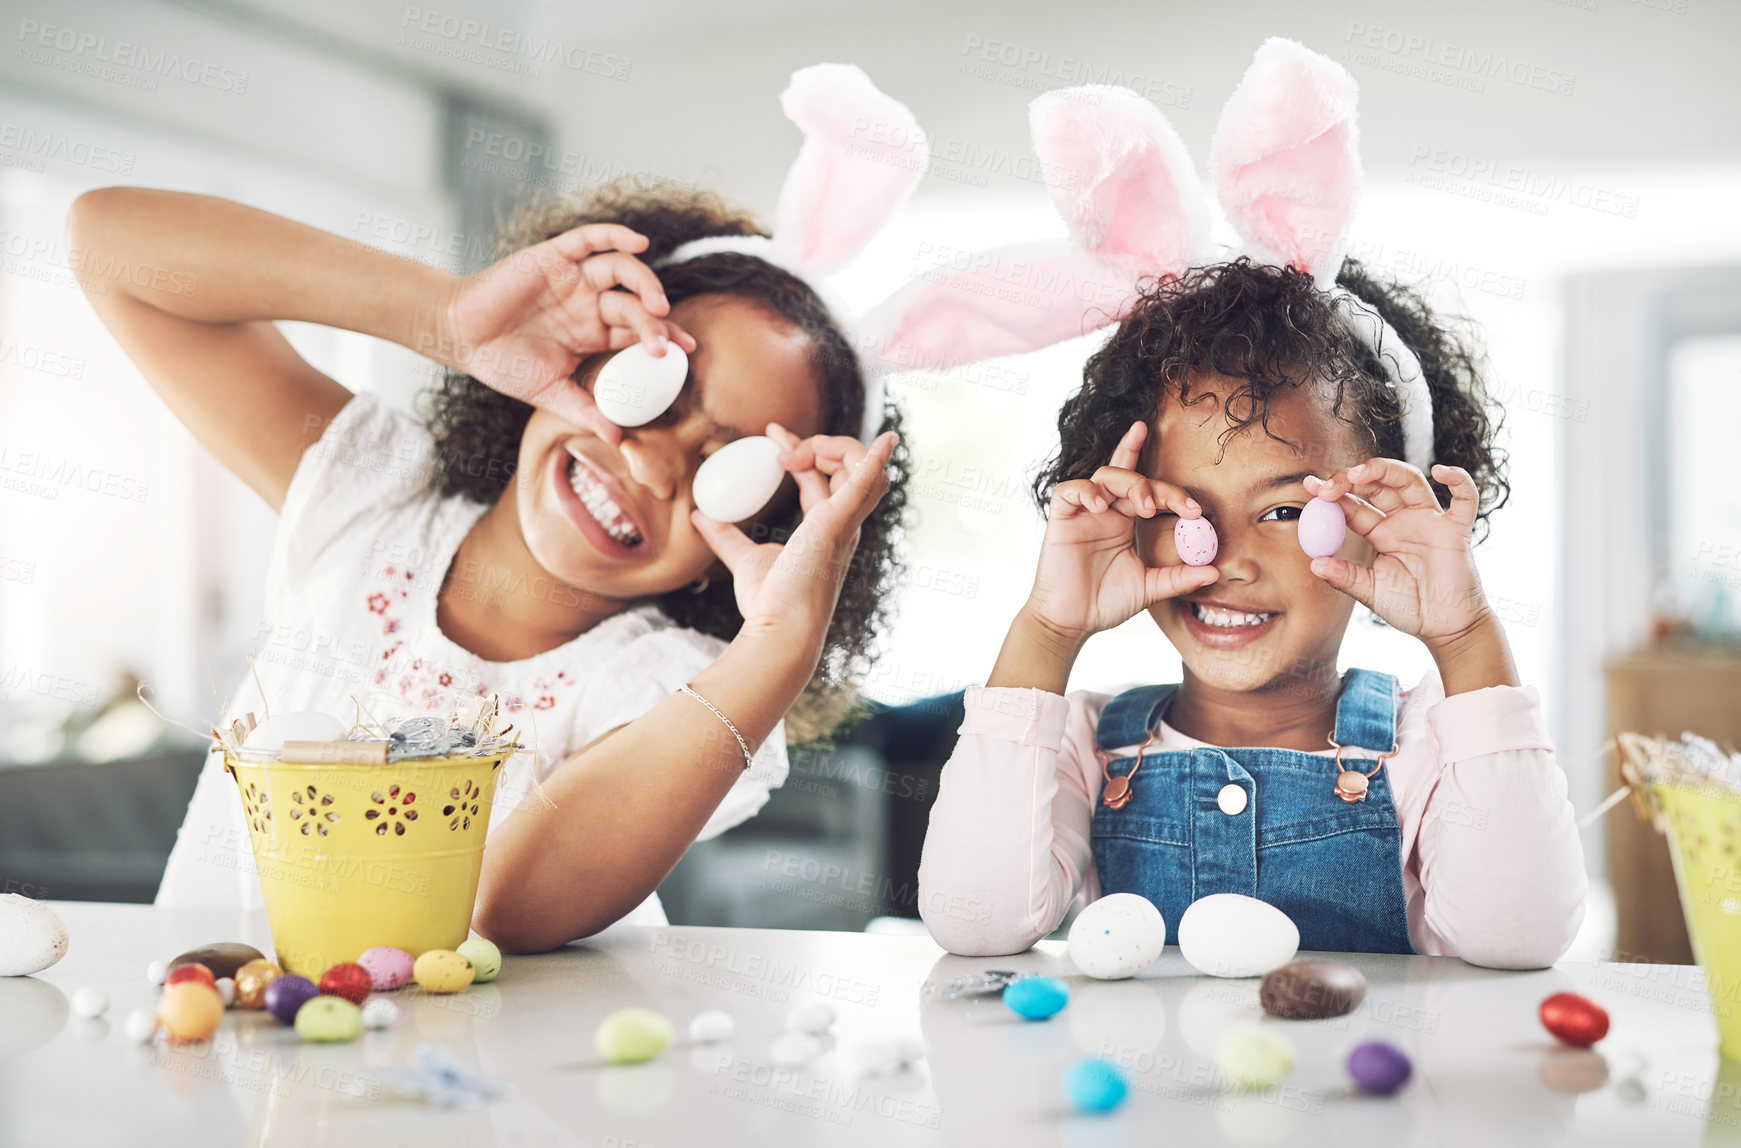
<point x="863" y="154"/>
<point x="1121" y="178"/>
<point x="1133" y="205"/>
<point x="1284" y="159"/>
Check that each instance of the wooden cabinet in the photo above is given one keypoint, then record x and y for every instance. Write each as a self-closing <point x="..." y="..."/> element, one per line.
<point x="1661" y="692"/>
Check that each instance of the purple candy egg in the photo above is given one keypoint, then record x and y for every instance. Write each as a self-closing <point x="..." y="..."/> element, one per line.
<point x="287" y="994"/>
<point x="1322" y="527"/>
<point x="1379" y="1067"/>
<point x="1195" y="541"/>
<point x="390" y="967"/>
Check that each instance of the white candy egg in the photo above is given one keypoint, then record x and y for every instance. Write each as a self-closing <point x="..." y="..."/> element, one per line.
<point x="379" y="1012"/>
<point x="1230" y="935"/>
<point x="1117" y="936"/>
<point x="792" y="1049"/>
<point x="712" y="1027"/>
<point x="813" y="1017"/>
<point x="298" y="725"/>
<point x="157" y="972"/>
<point x="141" y="1025"/>
<point x="89" y="1002"/>
<point x="635" y="387"/>
<point x="32" y="937"/>
<point x="226" y="987"/>
<point x="738" y="479"/>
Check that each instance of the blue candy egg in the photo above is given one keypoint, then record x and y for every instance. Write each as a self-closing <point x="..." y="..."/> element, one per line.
<point x="1379" y="1067"/>
<point x="1036" y="998"/>
<point x="1095" y="1086"/>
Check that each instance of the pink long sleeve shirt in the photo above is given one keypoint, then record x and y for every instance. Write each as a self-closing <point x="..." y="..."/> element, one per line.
<point x="1493" y="869"/>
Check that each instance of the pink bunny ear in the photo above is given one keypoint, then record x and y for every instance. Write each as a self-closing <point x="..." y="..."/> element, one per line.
<point x="863" y="154"/>
<point x="997" y="302"/>
<point x="1284" y="161"/>
<point x="1121" y="178"/>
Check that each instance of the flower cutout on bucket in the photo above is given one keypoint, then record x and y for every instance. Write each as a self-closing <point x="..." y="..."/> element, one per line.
<point x="257" y="804"/>
<point x="312" y="809"/>
<point x="462" y="805"/>
<point x="394" y="807"/>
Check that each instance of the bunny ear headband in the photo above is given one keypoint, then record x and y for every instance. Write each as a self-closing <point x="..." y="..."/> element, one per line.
<point x="863" y="154"/>
<point x="1286" y="174"/>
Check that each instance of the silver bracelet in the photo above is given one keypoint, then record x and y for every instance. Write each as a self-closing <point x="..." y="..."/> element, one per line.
<point x="742" y="744"/>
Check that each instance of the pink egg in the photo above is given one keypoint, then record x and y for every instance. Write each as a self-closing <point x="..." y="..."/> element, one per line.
<point x="1322" y="527"/>
<point x="1195" y="541"/>
<point x="389" y="967"/>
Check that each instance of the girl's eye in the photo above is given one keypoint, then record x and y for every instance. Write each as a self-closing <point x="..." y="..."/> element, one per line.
<point x="1282" y="514"/>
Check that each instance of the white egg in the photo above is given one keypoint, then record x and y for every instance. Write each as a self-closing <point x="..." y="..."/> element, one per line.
<point x="1231" y="935"/>
<point x="712" y="1027"/>
<point x="1117" y="936"/>
<point x="812" y="1017"/>
<point x="635" y="387"/>
<point x="298" y="725"/>
<point x="89" y="1002"/>
<point x="32" y="937"/>
<point x="738" y="479"/>
<point x="226" y="987"/>
<point x="379" y="1012"/>
<point x="141" y="1025"/>
<point x="157" y="972"/>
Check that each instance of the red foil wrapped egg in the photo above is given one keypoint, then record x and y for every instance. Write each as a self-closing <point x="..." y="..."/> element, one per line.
<point x="1575" y="1020"/>
<point x="351" y="981"/>
<point x="194" y="972"/>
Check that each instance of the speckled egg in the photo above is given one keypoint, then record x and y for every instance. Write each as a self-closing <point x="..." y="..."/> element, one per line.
<point x="442" y="971"/>
<point x="32" y="936"/>
<point x="1194" y="539"/>
<point x="1117" y="936"/>
<point x="329" y="1019"/>
<point x="634" y="386"/>
<point x="633" y="1035"/>
<point x="389" y="968"/>
<point x="1232" y="935"/>
<point x="347" y="980"/>
<point x="1254" y="1058"/>
<point x="1322" y="527"/>
<point x="1036" y="998"/>
<point x="486" y="959"/>
<point x="189" y="1011"/>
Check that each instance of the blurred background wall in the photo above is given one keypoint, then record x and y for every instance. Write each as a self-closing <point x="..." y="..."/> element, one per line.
<point x="1562" y="173"/>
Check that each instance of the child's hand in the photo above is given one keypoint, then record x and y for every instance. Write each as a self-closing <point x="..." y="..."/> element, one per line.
<point x="1424" y="580"/>
<point x="524" y="324"/>
<point x="1090" y="576"/>
<point x="840" y="481"/>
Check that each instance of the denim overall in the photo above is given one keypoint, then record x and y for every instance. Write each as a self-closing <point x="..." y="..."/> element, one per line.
<point x="1334" y="867"/>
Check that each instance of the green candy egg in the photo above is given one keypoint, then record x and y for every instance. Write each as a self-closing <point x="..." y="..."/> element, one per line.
<point x="633" y="1035"/>
<point x="329" y="1018"/>
<point x="486" y="959"/>
<point x="1254" y="1058"/>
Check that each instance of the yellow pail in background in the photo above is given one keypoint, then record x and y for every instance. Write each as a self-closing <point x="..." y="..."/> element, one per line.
<point x="1705" y="842"/>
<point x="355" y="856"/>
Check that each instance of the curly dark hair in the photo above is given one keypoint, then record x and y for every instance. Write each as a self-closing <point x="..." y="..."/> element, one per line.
<point x="1271" y="327"/>
<point x="474" y="425"/>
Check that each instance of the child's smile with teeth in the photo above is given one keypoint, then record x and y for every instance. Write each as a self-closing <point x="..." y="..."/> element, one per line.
<point x="1214" y="616"/>
<point x="601" y="506"/>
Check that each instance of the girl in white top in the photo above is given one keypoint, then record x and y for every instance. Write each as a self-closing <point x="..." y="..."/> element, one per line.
<point x="522" y="545"/>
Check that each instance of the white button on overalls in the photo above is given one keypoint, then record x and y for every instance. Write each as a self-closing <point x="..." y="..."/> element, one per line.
<point x="1231" y="799"/>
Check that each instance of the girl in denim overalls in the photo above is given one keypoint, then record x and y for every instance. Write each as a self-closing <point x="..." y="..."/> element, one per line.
<point x="1432" y="820"/>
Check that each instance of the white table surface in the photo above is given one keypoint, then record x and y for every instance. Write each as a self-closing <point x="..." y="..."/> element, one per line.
<point x="1485" y="1072"/>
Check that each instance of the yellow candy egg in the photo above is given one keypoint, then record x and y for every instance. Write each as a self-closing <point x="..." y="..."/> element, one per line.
<point x="190" y="1011"/>
<point x="632" y="1035"/>
<point x="442" y="971"/>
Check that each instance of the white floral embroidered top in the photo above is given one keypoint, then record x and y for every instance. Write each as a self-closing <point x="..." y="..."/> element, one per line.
<point x="362" y="547"/>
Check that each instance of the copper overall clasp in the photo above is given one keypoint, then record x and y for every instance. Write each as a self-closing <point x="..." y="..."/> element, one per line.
<point x="1351" y="784"/>
<point x="1115" y="794"/>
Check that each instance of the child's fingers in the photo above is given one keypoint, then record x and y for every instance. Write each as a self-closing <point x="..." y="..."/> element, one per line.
<point x="591" y="238"/>
<point x="1130" y="448"/>
<point x="615" y="269"/>
<point x="1082" y="494"/>
<point x="732" y="545"/>
<point x="1362" y="516"/>
<point x="622" y="311"/>
<point x="833" y="454"/>
<point x="851" y="502"/>
<point x="1387" y="483"/>
<point x="1351" y="578"/>
<point x="1140" y="496"/>
<point x="797" y="458"/>
<point x="1465" y="495"/>
<point x="1163" y="582"/>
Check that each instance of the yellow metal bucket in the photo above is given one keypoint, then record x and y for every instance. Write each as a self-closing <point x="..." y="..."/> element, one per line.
<point x="1704" y="833"/>
<point x="355" y="856"/>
